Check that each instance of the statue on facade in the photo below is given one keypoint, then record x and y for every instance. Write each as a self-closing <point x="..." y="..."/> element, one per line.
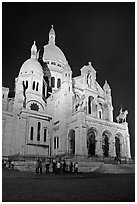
<point x="122" y="116"/>
<point x="78" y="101"/>
<point x="89" y="79"/>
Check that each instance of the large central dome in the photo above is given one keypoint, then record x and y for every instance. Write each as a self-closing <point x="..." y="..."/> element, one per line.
<point x="51" y="51"/>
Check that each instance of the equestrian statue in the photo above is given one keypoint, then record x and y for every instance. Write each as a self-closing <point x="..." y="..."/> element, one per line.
<point x="122" y="116"/>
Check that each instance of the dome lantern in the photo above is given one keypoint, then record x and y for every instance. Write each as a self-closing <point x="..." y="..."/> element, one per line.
<point x="52" y="35"/>
<point x="34" y="51"/>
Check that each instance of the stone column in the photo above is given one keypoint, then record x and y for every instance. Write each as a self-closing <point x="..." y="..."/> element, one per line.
<point x="77" y="133"/>
<point x="111" y="147"/>
<point x="122" y="145"/>
<point x="99" y="151"/>
<point x="81" y="135"/>
<point x="111" y="113"/>
<point x="128" y="152"/>
<point x="128" y="147"/>
<point x="114" y="148"/>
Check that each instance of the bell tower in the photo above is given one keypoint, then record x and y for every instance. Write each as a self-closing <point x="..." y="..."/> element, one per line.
<point x="108" y="109"/>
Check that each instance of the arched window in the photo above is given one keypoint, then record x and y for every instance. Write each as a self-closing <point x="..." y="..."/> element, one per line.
<point x="31" y="133"/>
<point x="43" y="89"/>
<point x="100" y="111"/>
<point x="58" y="82"/>
<point x="91" y="141"/>
<point x="100" y="114"/>
<point x="52" y="81"/>
<point x="54" y="63"/>
<point x="45" y="134"/>
<point x="71" y="138"/>
<point x="56" y="142"/>
<point x="37" y="87"/>
<point x="119" y="145"/>
<point x="59" y="65"/>
<point x="38" y="132"/>
<point x="105" y="143"/>
<point x="26" y="84"/>
<point x="90" y="99"/>
<point x="33" y="86"/>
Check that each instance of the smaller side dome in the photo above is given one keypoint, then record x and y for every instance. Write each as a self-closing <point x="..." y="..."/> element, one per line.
<point x="31" y="66"/>
<point x="106" y="88"/>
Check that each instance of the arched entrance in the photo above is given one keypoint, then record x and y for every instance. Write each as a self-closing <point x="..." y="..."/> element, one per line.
<point x="91" y="141"/>
<point x="71" y="138"/>
<point x="105" y="143"/>
<point x="118" y="145"/>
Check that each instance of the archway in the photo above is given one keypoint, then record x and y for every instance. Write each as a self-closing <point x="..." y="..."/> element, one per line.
<point x="71" y="138"/>
<point x="90" y="99"/>
<point x="91" y="141"/>
<point x="105" y="143"/>
<point x="118" y="145"/>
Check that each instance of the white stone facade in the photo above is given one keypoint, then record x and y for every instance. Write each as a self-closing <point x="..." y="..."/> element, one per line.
<point x="54" y="114"/>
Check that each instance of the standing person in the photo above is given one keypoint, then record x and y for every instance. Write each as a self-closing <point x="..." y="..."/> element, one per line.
<point x="58" y="167"/>
<point x="64" y="166"/>
<point x="40" y="166"/>
<point x="67" y="166"/>
<point x="12" y="164"/>
<point x="47" y="166"/>
<point x="37" y="166"/>
<point x="3" y="163"/>
<point x="71" y="167"/>
<point x="9" y="161"/>
<point x="76" y="167"/>
<point x="54" y="165"/>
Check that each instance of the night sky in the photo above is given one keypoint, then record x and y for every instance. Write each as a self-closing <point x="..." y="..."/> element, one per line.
<point x="103" y="33"/>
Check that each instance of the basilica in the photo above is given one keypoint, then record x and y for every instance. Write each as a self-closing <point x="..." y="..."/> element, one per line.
<point x="53" y="113"/>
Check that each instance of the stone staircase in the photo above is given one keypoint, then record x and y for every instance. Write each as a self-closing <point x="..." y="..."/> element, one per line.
<point x="24" y="165"/>
<point x="85" y="164"/>
<point x="116" y="169"/>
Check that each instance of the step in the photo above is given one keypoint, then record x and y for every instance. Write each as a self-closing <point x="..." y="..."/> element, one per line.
<point x="119" y="168"/>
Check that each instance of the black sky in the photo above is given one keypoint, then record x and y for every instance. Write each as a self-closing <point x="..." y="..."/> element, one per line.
<point x="103" y="33"/>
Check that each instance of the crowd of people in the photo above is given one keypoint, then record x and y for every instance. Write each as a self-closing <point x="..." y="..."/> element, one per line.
<point x="8" y="163"/>
<point x="50" y="165"/>
<point x="55" y="166"/>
